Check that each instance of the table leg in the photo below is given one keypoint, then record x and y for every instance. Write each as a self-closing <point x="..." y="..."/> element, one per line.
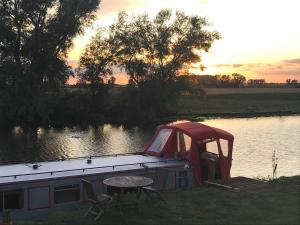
<point x="118" y="203"/>
<point x="138" y="193"/>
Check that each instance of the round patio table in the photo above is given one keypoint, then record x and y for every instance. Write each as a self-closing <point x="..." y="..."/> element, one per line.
<point x="126" y="184"/>
<point x="123" y="182"/>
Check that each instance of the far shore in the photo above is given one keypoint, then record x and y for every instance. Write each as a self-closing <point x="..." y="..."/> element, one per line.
<point x="226" y="103"/>
<point x="252" y="90"/>
<point x="238" y="103"/>
<point x="218" y="103"/>
<point x="201" y="117"/>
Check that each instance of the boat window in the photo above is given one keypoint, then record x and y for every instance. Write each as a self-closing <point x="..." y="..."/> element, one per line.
<point x="212" y="147"/>
<point x="68" y="193"/>
<point x="13" y="199"/>
<point x="224" y="146"/>
<point x="160" y="140"/>
<point x="38" y="197"/>
<point x="184" y="142"/>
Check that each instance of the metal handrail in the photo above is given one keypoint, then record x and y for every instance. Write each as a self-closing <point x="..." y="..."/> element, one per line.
<point x="79" y="157"/>
<point x="88" y="168"/>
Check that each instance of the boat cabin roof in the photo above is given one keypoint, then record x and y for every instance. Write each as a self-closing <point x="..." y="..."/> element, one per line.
<point x="79" y="167"/>
<point x="200" y="131"/>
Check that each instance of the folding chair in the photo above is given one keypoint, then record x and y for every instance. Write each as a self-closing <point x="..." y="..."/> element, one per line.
<point x="158" y="186"/>
<point x="98" y="203"/>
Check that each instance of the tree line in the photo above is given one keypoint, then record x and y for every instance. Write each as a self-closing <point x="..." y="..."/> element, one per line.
<point x="234" y="80"/>
<point x="35" y="37"/>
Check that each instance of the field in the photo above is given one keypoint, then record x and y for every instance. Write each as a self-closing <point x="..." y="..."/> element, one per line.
<point x="276" y="203"/>
<point x="230" y="102"/>
<point x="225" y="103"/>
<point x="224" y="91"/>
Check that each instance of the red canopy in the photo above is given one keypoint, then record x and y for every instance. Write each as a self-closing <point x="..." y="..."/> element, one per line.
<point x="165" y="143"/>
<point x="200" y="131"/>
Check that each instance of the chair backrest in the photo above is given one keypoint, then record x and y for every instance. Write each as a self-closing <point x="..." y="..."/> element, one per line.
<point x="89" y="190"/>
<point x="160" y="178"/>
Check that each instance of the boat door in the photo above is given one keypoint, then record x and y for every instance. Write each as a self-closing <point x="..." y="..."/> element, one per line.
<point x="225" y="157"/>
<point x="215" y="158"/>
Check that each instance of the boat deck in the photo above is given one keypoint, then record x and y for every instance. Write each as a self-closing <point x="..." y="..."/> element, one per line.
<point x="79" y="167"/>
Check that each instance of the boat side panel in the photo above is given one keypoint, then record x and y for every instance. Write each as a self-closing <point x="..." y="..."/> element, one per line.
<point x="96" y="179"/>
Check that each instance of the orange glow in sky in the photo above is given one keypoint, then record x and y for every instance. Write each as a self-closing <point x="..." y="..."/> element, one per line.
<point x="260" y="37"/>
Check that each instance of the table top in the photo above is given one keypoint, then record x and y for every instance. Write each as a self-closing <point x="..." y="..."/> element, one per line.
<point x="128" y="181"/>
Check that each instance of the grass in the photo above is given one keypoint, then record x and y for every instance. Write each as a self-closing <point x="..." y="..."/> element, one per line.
<point x="239" y="103"/>
<point x="277" y="203"/>
<point x="252" y="90"/>
<point x="235" y="105"/>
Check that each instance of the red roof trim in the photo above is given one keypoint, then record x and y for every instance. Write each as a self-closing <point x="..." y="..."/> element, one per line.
<point x="198" y="130"/>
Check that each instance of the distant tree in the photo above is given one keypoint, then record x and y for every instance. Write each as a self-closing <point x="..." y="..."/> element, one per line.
<point x="111" y="80"/>
<point x="238" y="80"/>
<point x="223" y="80"/>
<point x="153" y="52"/>
<point x="160" y="48"/>
<point x="207" y="80"/>
<point x="96" y="63"/>
<point x="34" y="39"/>
<point x="190" y="85"/>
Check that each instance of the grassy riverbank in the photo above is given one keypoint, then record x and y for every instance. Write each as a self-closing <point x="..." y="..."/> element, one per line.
<point x="237" y="105"/>
<point x="275" y="203"/>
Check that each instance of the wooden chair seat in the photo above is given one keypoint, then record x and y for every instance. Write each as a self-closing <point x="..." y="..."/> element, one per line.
<point x="158" y="186"/>
<point x="103" y="197"/>
<point x="98" y="202"/>
<point x="150" y="188"/>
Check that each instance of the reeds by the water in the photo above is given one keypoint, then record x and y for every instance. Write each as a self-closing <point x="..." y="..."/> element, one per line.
<point x="274" y="164"/>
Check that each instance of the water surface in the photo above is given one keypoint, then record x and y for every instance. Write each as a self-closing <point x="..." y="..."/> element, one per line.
<point x="255" y="141"/>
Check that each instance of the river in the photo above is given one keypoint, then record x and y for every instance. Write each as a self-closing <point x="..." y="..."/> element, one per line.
<point x="256" y="139"/>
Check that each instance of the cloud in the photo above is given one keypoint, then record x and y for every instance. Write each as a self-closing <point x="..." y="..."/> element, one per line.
<point x="292" y="61"/>
<point x="294" y="72"/>
<point x="229" y="65"/>
<point x="272" y="72"/>
<point x="237" y="65"/>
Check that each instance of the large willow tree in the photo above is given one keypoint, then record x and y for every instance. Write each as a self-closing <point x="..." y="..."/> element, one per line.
<point x="34" y="38"/>
<point x="159" y="49"/>
<point x="154" y="52"/>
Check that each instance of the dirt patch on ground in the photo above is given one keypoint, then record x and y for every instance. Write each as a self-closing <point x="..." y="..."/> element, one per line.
<point x="246" y="184"/>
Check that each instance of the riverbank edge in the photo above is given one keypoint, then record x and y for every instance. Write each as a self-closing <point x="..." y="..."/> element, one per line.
<point x="194" y="117"/>
<point x="203" y="116"/>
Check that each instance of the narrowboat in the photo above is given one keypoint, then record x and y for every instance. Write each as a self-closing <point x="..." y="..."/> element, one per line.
<point x="190" y="152"/>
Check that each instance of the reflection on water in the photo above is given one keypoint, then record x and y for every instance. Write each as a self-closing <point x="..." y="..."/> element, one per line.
<point x="50" y="144"/>
<point x="255" y="141"/>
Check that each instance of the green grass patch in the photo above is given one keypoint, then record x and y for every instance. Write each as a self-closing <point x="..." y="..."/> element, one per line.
<point x="239" y="103"/>
<point x="278" y="203"/>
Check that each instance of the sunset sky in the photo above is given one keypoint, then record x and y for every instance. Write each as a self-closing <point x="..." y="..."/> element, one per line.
<point x="261" y="38"/>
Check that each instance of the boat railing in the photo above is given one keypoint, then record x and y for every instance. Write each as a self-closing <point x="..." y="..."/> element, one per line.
<point x="143" y="164"/>
<point x="79" y="157"/>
